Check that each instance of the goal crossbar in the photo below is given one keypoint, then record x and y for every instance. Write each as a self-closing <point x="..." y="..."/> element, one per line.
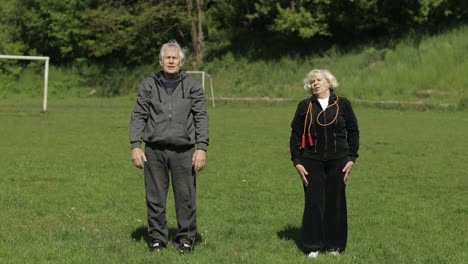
<point x="46" y="71"/>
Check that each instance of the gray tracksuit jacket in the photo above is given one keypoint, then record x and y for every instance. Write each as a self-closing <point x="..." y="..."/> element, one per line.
<point x="178" y="120"/>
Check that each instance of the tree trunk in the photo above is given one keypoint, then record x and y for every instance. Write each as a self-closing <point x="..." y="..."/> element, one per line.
<point x="196" y="31"/>
<point x="200" y="37"/>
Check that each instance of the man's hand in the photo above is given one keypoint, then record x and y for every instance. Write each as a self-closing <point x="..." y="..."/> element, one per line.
<point x="347" y="169"/>
<point x="138" y="156"/>
<point x="303" y="173"/>
<point x="199" y="160"/>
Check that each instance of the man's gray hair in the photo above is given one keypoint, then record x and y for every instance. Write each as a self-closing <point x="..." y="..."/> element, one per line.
<point x="172" y="44"/>
<point x="325" y="73"/>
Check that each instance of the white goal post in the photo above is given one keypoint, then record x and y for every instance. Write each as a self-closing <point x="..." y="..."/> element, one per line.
<point x="46" y="75"/>
<point x="203" y="83"/>
<point x="46" y="71"/>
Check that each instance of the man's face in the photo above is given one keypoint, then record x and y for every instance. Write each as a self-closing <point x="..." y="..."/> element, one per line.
<point x="170" y="61"/>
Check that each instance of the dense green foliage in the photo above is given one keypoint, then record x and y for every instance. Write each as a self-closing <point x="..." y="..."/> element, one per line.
<point x="124" y="32"/>
<point x="129" y="32"/>
<point x="253" y="48"/>
<point x="432" y="72"/>
<point x="69" y="193"/>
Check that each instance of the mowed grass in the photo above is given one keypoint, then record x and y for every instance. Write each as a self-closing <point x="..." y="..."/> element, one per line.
<point x="69" y="193"/>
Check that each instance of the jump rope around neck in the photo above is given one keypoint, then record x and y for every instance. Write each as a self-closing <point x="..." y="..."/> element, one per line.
<point x="309" y="111"/>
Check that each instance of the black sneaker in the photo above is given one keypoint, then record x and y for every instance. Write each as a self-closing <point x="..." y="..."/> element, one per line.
<point x="157" y="245"/>
<point x="184" y="248"/>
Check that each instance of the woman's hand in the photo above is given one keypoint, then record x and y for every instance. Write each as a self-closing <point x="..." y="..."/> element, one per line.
<point x="303" y="173"/>
<point x="347" y="170"/>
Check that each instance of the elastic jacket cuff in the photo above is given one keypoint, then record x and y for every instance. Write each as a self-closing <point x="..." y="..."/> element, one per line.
<point x="202" y="146"/>
<point x="352" y="158"/>
<point x="296" y="161"/>
<point x="136" y="144"/>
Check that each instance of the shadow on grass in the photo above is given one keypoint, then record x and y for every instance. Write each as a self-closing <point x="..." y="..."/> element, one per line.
<point x="141" y="233"/>
<point x="291" y="233"/>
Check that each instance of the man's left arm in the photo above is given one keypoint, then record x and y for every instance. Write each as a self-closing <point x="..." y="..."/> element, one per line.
<point x="200" y="116"/>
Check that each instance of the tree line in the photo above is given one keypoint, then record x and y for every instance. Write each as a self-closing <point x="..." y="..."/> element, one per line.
<point x="130" y="32"/>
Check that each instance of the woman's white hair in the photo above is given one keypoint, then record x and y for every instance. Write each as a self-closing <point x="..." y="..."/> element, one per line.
<point x="172" y="44"/>
<point x="325" y="73"/>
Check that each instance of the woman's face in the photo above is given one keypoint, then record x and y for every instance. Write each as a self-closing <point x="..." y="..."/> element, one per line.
<point x="320" y="86"/>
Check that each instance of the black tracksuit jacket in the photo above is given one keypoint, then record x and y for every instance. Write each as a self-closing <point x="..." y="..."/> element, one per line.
<point x="337" y="140"/>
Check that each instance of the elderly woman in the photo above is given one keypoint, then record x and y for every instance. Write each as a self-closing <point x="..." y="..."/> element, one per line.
<point x="324" y="144"/>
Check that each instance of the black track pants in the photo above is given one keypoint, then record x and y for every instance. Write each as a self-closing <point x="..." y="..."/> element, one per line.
<point x="178" y="163"/>
<point x="324" y="223"/>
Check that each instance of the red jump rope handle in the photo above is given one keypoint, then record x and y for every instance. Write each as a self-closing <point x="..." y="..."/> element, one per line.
<point x="311" y="142"/>
<point x="303" y="142"/>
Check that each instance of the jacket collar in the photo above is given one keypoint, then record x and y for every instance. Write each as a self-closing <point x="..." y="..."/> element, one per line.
<point x="157" y="79"/>
<point x="332" y="97"/>
<point x="158" y="75"/>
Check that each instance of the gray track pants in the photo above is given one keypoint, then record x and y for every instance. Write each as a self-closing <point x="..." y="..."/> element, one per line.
<point x="177" y="161"/>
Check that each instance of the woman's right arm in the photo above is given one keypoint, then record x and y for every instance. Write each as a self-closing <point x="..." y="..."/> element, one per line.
<point x="296" y="133"/>
<point x="297" y="126"/>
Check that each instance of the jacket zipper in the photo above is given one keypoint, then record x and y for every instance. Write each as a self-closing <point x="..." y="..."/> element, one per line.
<point x="170" y="108"/>
<point x="334" y="132"/>
<point x="316" y="140"/>
<point x="334" y="139"/>
<point x="326" y="138"/>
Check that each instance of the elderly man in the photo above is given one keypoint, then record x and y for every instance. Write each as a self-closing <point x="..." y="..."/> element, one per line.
<point x="170" y="117"/>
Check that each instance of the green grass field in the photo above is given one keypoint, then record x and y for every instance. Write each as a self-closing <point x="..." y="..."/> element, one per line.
<point x="69" y="193"/>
